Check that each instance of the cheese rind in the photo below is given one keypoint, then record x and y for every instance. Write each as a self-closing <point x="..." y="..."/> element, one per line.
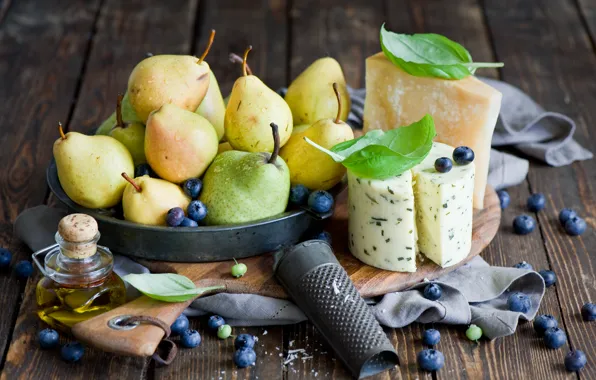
<point x="465" y="111"/>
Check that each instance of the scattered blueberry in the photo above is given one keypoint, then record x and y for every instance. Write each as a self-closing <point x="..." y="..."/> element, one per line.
<point x="320" y="201"/>
<point x="589" y="312"/>
<point x="23" y="269"/>
<point x="462" y="155"/>
<point x="536" y="202"/>
<point x="565" y="215"/>
<point x="215" y="321"/>
<point x="5" y="258"/>
<point x="575" y="360"/>
<point x="175" y="216"/>
<point x="48" y="338"/>
<point x="187" y="222"/>
<point x="431" y="337"/>
<point x="190" y="338"/>
<point x="432" y="292"/>
<point x="504" y="198"/>
<point x="224" y="331"/>
<point x="554" y="337"/>
<point x="443" y="165"/>
<point x="72" y="352"/>
<point x="523" y="224"/>
<point x="575" y="226"/>
<point x="549" y="277"/>
<point x="431" y="360"/>
<point x="244" y="341"/>
<point x="245" y="357"/>
<point x="238" y="269"/>
<point x="524" y="265"/>
<point x="197" y="211"/>
<point x="544" y="322"/>
<point x="519" y="302"/>
<point x="299" y="195"/>
<point x="192" y="187"/>
<point x="323" y="235"/>
<point x="180" y="325"/>
<point x="144" y="169"/>
<point x="474" y="332"/>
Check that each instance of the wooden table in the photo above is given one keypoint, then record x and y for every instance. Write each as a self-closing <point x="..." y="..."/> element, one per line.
<point x="66" y="61"/>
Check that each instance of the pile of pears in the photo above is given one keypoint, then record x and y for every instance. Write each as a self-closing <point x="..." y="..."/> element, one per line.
<point x="173" y="119"/>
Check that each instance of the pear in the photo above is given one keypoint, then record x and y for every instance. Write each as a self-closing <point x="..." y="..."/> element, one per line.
<point x="128" y="115"/>
<point x="240" y="186"/>
<point x="212" y="107"/>
<point x="300" y="128"/>
<point x="178" y="79"/>
<point x="224" y="147"/>
<point x="131" y="134"/>
<point x="89" y="168"/>
<point x="309" y="166"/>
<point x="310" y="97"/>
<point x="251" y="108"/>
<point x="147" y="200"/>
<point x="179" y="144"/>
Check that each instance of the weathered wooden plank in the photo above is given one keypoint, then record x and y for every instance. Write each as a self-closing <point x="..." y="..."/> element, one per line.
<point x="4" y="5"/>
<point x="587" y="11"/>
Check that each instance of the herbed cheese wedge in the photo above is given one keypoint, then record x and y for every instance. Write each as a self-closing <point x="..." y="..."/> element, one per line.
<point x="382" y="226"/>
<point x="444" y="208"/>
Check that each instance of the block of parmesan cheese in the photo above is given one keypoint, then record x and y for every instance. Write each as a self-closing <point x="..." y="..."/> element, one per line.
<point x="465" y="111"/>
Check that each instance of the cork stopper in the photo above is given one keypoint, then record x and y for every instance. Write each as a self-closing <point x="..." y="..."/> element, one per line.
<point x="79" y="232"/>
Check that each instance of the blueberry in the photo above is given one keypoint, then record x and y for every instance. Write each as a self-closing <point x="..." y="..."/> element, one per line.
<point x="187" y="222"/>
<point x="575" y="226"/>
<point x="589" y="312"/>
<point x="431" y="360"/>
<point x="462" y="155"/>
<point x="504" y="199"/>
<point x="48" y="338"/>
<point x="244" y="340"/>
<point x="197" y="211"/>
<point x="175" y="217"/>
<point x="431" y="337"/>
<point x="245" y="357"/>
<point x="536" y="202"/>
<point x="23" y="269"/>
<point x="432" y="292"/>
<point x="554" y="337"/>
<point x="190" y="338"/>
<point x="144" y="169"/>
<point x="215" y="321"/>
<point x="323" y="235"/>
<point x="192" y="187"/>
<point x="5" y="258"/>
<point x="299" y="195"/>
<point x="523" y="224"/>
<point x="180" y="325"/>
<point x="549" y="277"/>
<point x="474" y="332"/>
<point x="443" y="165"/>
<point x="575" y="360"/>
<point x="519" y="302"/>
<point x="544" y="322"/>
<point x="524" y="265"/>
<point x="320" y="201"/>
<point x="566" y="214"/>
<point x="72" y="352"/>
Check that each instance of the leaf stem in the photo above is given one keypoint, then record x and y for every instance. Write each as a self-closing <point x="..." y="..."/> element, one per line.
<point x="336" y="157"/>
<point x="61" y="131"/>
<point x="338" y="96"/>
<point x="249" y="48"/>
<point x="276" y="143"/>
<point x="475" y="65"/>
<point x="235" y="58"/>
<point x="119" y="121"/>
<point x="132" y="182"/>
<point x="211" y="37"/>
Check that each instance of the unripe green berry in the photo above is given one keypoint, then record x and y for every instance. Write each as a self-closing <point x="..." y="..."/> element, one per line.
<point x="474" y="332"/>
<point x="224" y="331"/>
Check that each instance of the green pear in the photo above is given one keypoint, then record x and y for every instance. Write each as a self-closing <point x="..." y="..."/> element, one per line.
<point x="131" y="134"/>
<point x="251" y="108"/>
<point x="89" y="168"/>
<point x="128" y="115"/>
<point x="309" y="166"/>
<point x="240" y="186"/>
<point x="179" y="144"/>
<point x="147" y="200"/>
<point x="310" y="96"/>
<point x="182" y="80"/>
<point x="212" y="107"/>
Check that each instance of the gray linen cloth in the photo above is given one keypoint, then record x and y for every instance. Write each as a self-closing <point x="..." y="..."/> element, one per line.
<point x="474" y="293"/>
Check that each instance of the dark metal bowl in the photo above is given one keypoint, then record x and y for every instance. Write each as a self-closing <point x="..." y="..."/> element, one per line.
<point x="188" y="244"/>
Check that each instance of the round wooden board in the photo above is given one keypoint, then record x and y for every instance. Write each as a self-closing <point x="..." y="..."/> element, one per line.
<point x="368" y="280"/>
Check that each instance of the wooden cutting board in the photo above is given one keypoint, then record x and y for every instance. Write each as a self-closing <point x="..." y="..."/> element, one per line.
<point x="143" y="340"/>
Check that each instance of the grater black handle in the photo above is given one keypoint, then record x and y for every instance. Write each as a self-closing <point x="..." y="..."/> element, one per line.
<point x="320" y="286"/>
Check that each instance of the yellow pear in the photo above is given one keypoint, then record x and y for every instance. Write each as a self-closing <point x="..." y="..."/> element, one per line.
<point x="147" y="200"/>
<point x="182" y="80"/>
<point x="251" y="109"/>
<point x="131" y="134"/>
<point x="309" y="166"/>
<point x="212" y="107"/>
<point x="310" y="96"/>
<point x="89" y="168"/>
<point x="179" y="144"/>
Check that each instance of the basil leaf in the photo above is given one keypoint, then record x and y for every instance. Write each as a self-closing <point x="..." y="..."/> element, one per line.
<point x="167" y="287"/>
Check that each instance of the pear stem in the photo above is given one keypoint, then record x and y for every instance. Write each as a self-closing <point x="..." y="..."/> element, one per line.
<point x="119" y="121"/>
<point x="276" y="144"/>
<point x="235" y="58"/>
<point x="338" y="96"/>
<point x="62" y="135"/>
<point x="211" y="38"/>
<point x="249" y="48"/>
<point x="132" y="182"/>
